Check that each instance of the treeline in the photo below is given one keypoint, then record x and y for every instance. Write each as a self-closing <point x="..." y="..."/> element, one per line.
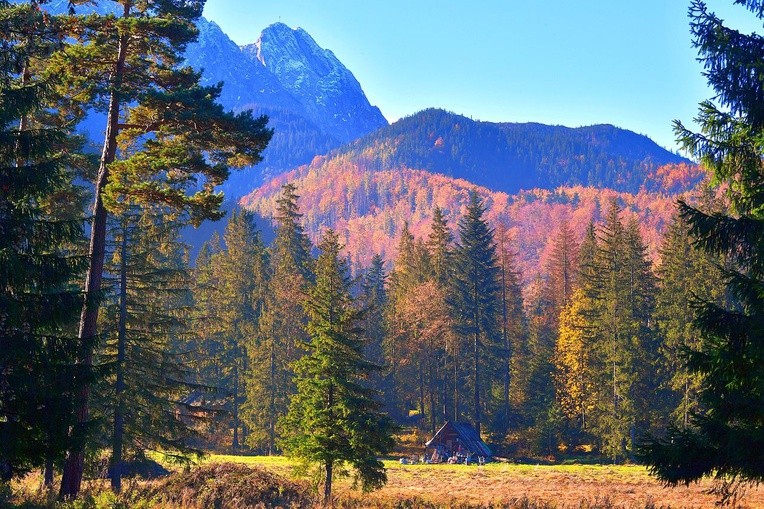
<point x="587" y="359"/>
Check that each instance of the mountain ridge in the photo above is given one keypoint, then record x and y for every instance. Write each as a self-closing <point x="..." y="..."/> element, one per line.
<point x="510" y="156"/>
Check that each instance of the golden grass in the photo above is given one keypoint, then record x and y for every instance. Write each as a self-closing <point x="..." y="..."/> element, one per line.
<point x="505" y="484"/>
<point x="496" y="485"/>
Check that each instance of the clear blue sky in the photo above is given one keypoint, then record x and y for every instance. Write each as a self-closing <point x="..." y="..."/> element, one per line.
<point x="630" y="64"/>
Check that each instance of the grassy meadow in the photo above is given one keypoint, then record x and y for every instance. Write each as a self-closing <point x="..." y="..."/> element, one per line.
<point x="221" y="481"/>
<point x="507" y="484"/>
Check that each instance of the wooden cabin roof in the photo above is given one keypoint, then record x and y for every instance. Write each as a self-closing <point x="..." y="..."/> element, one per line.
<point x="467" y="435"/>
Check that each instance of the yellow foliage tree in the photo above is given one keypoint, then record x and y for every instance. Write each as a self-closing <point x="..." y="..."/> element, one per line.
<point x="573" y="372"/>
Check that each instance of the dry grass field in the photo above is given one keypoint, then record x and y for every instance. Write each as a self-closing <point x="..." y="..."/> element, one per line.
<point x="224" y="482"/>
<point x="505" y="484"/>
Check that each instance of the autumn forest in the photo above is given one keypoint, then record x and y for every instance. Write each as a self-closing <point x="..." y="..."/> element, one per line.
<point x="564" y="295"/>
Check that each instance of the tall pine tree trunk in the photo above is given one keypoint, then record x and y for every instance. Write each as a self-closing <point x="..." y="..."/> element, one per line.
<point x="431" y="381"/>
<point x="456" y="385"/>
<point x="476" y="414"/>
<point x="73" y="467"/>
<point x="119" y="409"/>
<point x="328" y="484"/>
<point x="476" y="353"/>
<point x="444" y="387"/>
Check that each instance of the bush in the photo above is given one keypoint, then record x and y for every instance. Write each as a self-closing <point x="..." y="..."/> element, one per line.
<point x="230" y="486"/>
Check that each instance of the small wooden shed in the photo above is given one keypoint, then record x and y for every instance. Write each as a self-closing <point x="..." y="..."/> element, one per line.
<point x="457" y="440"/>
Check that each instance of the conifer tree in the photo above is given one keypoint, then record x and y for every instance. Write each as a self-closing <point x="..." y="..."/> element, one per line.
<point x="374" y="301"/>
<point x="440" y="247"/>
<point x="686" y="275"/>
<point x="623" y="289"/>
<point x="164" y="132"/>
<point x="725" y="438"/>
<point x="513" y="323"/>
<point x="333" y="418"/>
<point x="439" y="243"/>
<point x="561" y="267"/>
<point x="475" y="299"/>
<point x="574" y="379"/>
<point x="38" y="249"/>
<point x="230" y="294"/>
<point x="281" y="328"/>
<point x="412" y="268"/>
<point x="149" y="319"/>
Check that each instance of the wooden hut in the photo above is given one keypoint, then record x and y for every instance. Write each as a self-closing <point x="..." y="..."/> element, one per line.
<point x="456" y="442"/>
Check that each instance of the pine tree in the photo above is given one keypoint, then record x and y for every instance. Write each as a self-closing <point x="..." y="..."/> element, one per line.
<point x="561" y="267"/>
<point x="148" y="314"/>
<point x="171" y="135"/>
<point x="622" y="287"/>
<point x="374" y="300"/>
<point x="446" y="364"/>
<point x="439" y="243"/>
<point x="38" y="250"/>
<point x="281" y="328"/>
<point x="230" y="295"/>
<point x="475" y="299"/>
<point x="726" y="438"/>
<point x="513" y="322"/>
<point x="686" y="274"/>
<point x="333" y="418"/>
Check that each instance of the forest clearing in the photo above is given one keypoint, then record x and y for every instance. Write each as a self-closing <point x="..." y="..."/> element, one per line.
<point x="497" y="484"/>
<point x="501" y="484"/>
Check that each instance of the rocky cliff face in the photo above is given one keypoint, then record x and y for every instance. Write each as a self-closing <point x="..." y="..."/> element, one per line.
<point x="327" y="90"/>
<point x="247" y="84"/>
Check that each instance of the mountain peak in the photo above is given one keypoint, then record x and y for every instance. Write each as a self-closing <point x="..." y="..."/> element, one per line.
<point x="313" y="75"/>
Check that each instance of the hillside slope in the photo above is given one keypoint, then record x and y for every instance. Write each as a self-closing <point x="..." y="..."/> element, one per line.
<point x="367" y="207"/>
<point x="510" y="157"/>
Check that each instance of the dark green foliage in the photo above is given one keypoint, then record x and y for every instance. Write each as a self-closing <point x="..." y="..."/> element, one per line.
<point x="475" y="299"/>
<point x="726" y="437"/>
<point x="146" y="337"/>
<point x="623" y="291"/>
<point x="166" y="139"/>
<point x="39" y="255"/>
<point x="281" y="328"/>
<point x="333" y="418"/>
<point x="686" y="275"/>
<point x="230" y="292"/>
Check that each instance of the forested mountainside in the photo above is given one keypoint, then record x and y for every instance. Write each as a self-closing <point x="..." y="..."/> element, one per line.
<point x="368" y="207"/>
<point x="509" y="157"/>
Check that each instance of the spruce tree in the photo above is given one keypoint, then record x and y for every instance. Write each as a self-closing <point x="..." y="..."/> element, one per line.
<point x="622" y="288"/>
<point x="513" y="323"/>
<point x="374" y="299"/>
<point x="164" y="132"/>
<point x="725" y="438"/>
<point x="686" y="275"/>
<point x="147" y="331"/>
<point x="475" y="299"/>
<point x="334" y="418"/>
<point x="38" y="250"/>
<point x="281" y="328"/>
<point x="230" y="292"/>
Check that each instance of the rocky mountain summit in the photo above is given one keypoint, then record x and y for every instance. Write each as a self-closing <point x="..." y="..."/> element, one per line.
<point x="328" y="91"/>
